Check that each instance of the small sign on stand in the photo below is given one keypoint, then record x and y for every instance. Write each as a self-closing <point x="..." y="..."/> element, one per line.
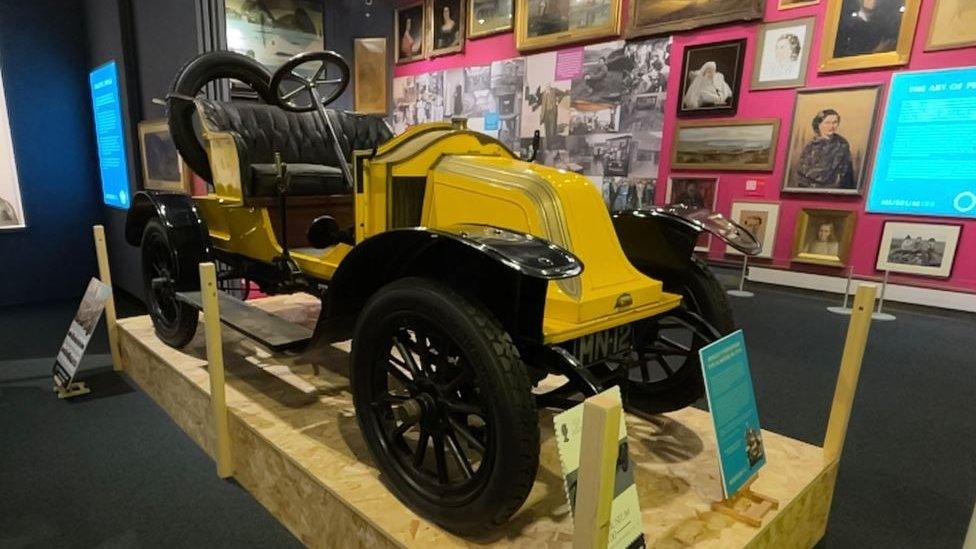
<point x="732" y="402"/>
<point x="79" y="333"/>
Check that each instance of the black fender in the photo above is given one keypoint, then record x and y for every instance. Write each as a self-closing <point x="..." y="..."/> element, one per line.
<point x="506" y="271"/>
<point x="660" y="241"/>
<point x="186" y="230"/>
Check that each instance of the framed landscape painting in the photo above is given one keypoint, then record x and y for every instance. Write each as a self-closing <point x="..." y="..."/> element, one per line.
<point x="547" y="23"/>
<point x="649" y="17"/>
<point x="736" y="145"/>
<point x="927" y="249"/>
<point x="487" y="17"/>
<point x="864" y="34"/>
<point x="762" y="219"/>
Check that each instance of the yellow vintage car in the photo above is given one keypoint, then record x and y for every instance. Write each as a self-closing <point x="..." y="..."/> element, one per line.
<point x="477" y="287"/>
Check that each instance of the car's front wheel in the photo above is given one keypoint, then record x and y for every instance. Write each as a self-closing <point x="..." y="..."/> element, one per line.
<point x="445" y="405"/>
<point x="175" y="322"/>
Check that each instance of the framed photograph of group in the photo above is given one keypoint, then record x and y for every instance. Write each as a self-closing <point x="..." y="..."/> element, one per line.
<point x="734" y="145"/>
<point x="487" y="17"/>
<point x="710" y="78"/>
<point x="863" y="34"/>
<point x="445" y="27"/>
<point x="953" y="25"/>
<point x="410" y="32"/>
<point x="782" y="54"/>
<point x="830" y="140"/>
<point x="649" y="17"/>
<point x="823" y="236"/>
<point x="927" y="249"/>
<point x="547" y="23"/>
<point x="762" y="219"/>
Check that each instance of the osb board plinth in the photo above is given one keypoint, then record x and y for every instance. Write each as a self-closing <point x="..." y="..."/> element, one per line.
<point x="297" y="448"/>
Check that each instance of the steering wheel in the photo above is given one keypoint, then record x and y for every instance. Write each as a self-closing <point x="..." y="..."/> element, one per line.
<point x="298" y="90"/>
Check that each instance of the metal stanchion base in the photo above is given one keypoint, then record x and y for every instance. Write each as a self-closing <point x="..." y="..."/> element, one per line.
<point x="883" y="316"/>
<point x="740" y="293"/>
<point x="840" y="310"/>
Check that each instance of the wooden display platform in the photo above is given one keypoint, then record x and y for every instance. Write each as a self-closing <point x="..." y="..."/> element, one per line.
<point x="297" y="448"/>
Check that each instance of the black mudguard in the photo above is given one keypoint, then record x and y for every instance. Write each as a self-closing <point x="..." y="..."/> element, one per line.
<point x="506" y="271"/>
<point x="185" y="228"/>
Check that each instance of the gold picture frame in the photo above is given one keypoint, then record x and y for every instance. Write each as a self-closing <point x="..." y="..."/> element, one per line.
<point x="163" y="169"/>
<point x="941" y="21"/>
<point x="480" y="28"/>
<point x="829" y="243"/>
<point x="830" y="61"/>
<point x="648" y="18"/>
<point x="439" y="14"/>
<point x="410" y="39"/>
<point x="370" y="86"/>
<point x="693" y="156"/>
<point x="557" y="23"/>
<point x="789" y="5"/>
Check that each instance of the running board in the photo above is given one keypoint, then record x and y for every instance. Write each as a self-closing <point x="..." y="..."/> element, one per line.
<point x="267" y="329"/>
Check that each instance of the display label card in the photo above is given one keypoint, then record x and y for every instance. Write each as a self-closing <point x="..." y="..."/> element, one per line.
<point x="924" y="161"/>
<point x="79" y="333"/>
<point x="569" y="64"/>
<point x="110" y="135"/>
<point x="626" y="526"/>
<point x="491" y="121"/>
<point x="732" y="402"/>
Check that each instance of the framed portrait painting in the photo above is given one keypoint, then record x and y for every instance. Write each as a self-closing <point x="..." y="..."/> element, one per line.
<point x="487" y="17"/>
<point x="823" y="237"/>
<point x="734" y="145"/>
<point x="927" y="249"/>
<point x="371" y="90"/>
<point x="162" y="167"/>
<point x="410" y="31"/>
<point x="696" y="193"/>
<point x="782" y="54"/>
<point x="863" y="34"/>
<point x="445" y="27"/>
<point x="710" y="78"/>
<point x="649" y="17"/>
<point x="953" y="25"/>
<point x="762" y="219"/>
<point x="830" y="140"/>
<point x="547" y="23"/>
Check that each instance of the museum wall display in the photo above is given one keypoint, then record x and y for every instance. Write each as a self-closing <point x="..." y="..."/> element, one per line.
<point x="801" y="76"/>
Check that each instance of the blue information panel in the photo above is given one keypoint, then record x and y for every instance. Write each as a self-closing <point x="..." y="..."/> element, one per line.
<point x="732" y="403"/>
<point x="110" y="133"/>
<point x="926" y="159"/>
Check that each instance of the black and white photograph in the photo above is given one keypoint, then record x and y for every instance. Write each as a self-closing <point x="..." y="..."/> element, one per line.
<point x="410" y="30"/>
<point x="927" y="249"/>
<point x="642" y="108"/>
<point x="417" y="99"/>
<point x="710" y="78"/>
<point x="546" y="102"/>
<point x="467" y="92"/>
<point x="11" y="206"/>
<point x="782" y="54"/>
<point x="507" y="86"/>
<point x="628" y="193"/>
<point x="446" y="30"/>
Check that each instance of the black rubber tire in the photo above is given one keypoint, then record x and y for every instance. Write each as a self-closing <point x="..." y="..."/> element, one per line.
<point x="179" y="330"/>
<point x="190" y="80"/>
<point x="499" y="375"/>
<point x="704" y="295"/>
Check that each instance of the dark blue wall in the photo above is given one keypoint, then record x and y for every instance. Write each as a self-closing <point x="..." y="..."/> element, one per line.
<point x="45" y="75"/>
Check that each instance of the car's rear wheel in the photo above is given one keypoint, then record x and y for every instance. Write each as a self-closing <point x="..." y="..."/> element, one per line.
<point x="445" y="405"/>
<point x="175" y="321"/>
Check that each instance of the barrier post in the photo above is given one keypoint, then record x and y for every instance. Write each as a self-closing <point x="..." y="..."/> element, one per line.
<point x="598" y="460"/>
<point x="105" y="275"/>
<point x="215" y="366"/>
<point x="850" y="370"/>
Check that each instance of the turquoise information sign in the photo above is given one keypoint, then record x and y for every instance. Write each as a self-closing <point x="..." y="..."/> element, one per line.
<point x="110" y="135"/>
<point x="732" y="402"/>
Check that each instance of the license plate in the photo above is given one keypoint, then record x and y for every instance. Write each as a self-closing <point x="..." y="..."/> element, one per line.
<point x="596" y="347"/>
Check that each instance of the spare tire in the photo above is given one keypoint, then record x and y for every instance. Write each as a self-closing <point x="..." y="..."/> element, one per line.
<point x="191" y="79"/>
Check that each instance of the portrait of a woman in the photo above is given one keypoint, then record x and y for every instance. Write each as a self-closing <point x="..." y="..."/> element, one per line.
<point x="446" y="19"/>
<point x="825" y="162"/>
<point x="785" y="61"/>
<point x="410" y="33"/>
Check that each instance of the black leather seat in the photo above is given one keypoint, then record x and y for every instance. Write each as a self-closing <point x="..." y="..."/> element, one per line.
<point x="303" y="139"/>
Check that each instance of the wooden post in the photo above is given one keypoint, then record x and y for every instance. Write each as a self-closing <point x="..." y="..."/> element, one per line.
<point x="597" y="470"/>
<point x="215" y="366"/>
<point x="105" y="275"/>
<point x="850" y="370"/>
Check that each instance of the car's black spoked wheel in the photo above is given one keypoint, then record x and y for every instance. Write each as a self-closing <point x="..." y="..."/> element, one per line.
<point x="664" y="370"/>
<point x="445" y="405"/>
<point x="175" y="322"/>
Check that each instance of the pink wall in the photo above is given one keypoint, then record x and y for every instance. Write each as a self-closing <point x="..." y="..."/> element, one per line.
<point x="778" y="104"/>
